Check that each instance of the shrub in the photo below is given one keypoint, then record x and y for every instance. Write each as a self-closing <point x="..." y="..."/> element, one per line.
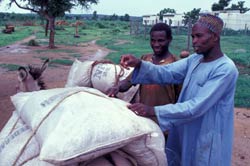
<point x="100" y="25"/>
<point x="29" y="23"/>
<point x="33" y="42"/>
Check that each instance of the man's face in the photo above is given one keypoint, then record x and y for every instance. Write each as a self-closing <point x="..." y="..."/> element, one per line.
<point x="159" y="42"/>
<point x="203" y="39"/>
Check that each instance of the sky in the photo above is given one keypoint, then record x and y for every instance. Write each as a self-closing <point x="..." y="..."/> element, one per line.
<point x="136" y="7"/>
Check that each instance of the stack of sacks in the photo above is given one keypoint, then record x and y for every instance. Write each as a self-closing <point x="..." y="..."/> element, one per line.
<point x="15" y="146"/>
<point x="99" y="75"/>
<point x="70" y="126"/>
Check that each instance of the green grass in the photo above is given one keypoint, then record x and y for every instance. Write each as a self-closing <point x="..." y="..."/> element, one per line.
<point x="43" y="58"/>
<point x="135" y="46"/>
<point x="66" y="37"/>
<point x="237" y="48"/>
<point x="65" y="62"/>
<point x="55" y="51"/>
<point x="242" y="94"/>
<point x="241" y="58"/>
<point x="19" y="34"/>
<point x="75" y="55"/>
<point x="92" y="32"/>
<point x="10" y="67"/>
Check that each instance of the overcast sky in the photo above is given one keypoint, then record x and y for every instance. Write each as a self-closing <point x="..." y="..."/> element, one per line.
<point x="136" y="7"/>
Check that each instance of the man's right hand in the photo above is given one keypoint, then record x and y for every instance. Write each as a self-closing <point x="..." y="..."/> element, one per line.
<point x="112" y="92"/>
<point x="129" y="60"/>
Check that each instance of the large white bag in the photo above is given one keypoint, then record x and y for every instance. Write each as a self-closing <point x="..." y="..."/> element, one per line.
<point x="13" y="139"/>
<point x="106" y="75"/>
<point x="80" y="74"/>
<point x="37" y="162"/>
<point x="100" y="75"/>
<point x="78" y="124"/>
<point x="17" y="149"/>
<point x="13" y="123"/>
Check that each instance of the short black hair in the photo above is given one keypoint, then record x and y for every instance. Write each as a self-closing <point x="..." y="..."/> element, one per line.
<point x="162" y="27"/>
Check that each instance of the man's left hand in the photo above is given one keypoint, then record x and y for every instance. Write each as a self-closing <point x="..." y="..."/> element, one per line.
<point x="142" y="109"/>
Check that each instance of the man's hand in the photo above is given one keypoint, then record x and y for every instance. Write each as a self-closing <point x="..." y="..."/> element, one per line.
<point x="129" y="60"/>
<point x="112" y="92"/>
<point x="142" y="109"/>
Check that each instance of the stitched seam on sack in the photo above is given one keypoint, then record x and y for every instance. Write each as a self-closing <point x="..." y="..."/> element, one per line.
<point x="82" y="154"/>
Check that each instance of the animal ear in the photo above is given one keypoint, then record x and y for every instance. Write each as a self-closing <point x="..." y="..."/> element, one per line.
<point x="22" y="74"/>
<point x="45" y="65"/>
<point x="31" y="68"/>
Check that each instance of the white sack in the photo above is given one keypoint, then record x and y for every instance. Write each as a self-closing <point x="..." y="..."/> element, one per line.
<point x="37" y="162"/>
<point x="38" y="105"/>
<point x="79" y="124"/>
<point x="106" y="75"/>
<point x="118" y="157"/>
<point x="79" y="74"/>
<point x="13" y="123"/>
<point x="139" y="148"/>
<point x="102" y="77"/>
<point x="11" y="146"/>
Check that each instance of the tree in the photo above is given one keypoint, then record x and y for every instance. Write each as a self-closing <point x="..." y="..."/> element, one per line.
<point x="164" y="11"/>
<point x="239" y="6"/>
<point x="217" y="7"/>
<point x="224" y="3"/>
<point x="242" y="8"/>
<point x="122" y="18"/>
<point x="221" y="5"/>
<point x="50" y="9"/>
<point x="95" y="16"/>
<point x="126" y="17"/>
<point x="193" y="15"/>
<point x="114" y="17"/>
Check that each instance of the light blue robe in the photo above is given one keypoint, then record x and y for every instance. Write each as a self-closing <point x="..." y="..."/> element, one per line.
<point x="201" y="123"/>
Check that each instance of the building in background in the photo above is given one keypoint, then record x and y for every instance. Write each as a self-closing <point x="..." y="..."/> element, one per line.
<point x="234" y="20"/>
<point x="173" y="19"/>
<point x="150" y="19"/>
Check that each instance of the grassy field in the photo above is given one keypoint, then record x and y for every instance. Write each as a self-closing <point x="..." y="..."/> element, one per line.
<point x="109" y="34"/>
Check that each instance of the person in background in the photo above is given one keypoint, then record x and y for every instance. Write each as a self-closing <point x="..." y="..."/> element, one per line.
<point x="152" y="94"/>
<point x="201" y="123"/>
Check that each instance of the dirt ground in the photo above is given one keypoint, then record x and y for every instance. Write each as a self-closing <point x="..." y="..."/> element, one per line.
<point x="56" y="77"/>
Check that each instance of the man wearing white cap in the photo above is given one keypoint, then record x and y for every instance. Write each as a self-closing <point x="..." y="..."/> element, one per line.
<point x="201" y="123"/>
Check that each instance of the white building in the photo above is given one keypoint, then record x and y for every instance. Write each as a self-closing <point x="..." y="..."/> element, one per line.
<point x="173" y="19"/>
<point x="150" y="19"/>
<point x="232" y="19"/>
<point x="235" y="20"/>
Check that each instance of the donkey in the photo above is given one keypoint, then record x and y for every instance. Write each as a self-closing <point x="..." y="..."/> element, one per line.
<point x="30" y="79"/>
